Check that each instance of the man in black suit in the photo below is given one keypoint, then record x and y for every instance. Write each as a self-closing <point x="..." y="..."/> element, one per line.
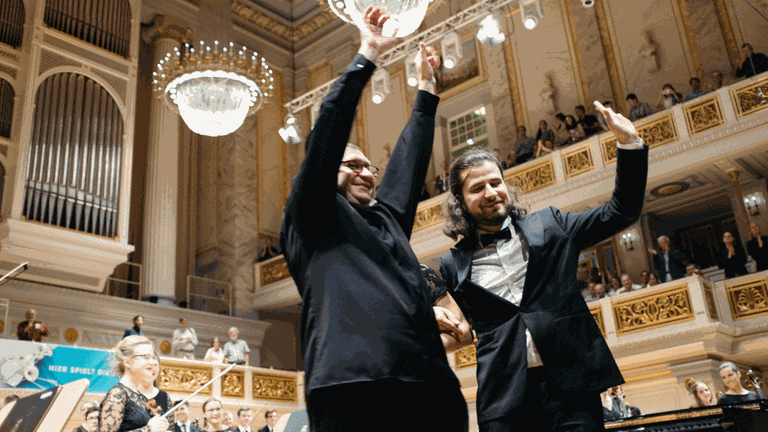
<point x="757" y="247"/>
<point x="182" y="421"/>
<point x="669" y="263"/>
<point x="540" y="354"/>
<point x="271" y="417"/>
<point x="138" y="320"/>
<point x="370" y="341"/>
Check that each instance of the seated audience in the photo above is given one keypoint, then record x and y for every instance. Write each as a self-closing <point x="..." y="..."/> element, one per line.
<point x="183" y="421"/>
<point x="269" y="250"/>
<point x="627" y="284"/>
<point x="652" y="280"/>
<point x="718" y="81"/>
<point x="615" y="405"/>
<point x="701" y="394"/>
<point x="575" y="130"/>
<point x="524" y="146"/>
<point x="544" y="133"/>
<point x="644" y="276"/>
<point x="732" y="257"/>
<point x="752" y="63"/>
<point x="638" y="110"/>
<point x="214" y="354"/>
<point x="692" y="269"/>
<point x="735" y="393"/>
<point x="696" y="89"/>
<point x="31" y="329"/>
<point x="668" y="263"/>
<point x="85" y="408"/>
<point x="668" y="97"/>
<point x="441" y="181"/>
<point x="544" y="148"/>
<point x="757" y="247"/>
<point x="597" y="292"/>
<point x="615" y="285"/>
<point x="590" y="123"/>
<point x="561" y="132"/>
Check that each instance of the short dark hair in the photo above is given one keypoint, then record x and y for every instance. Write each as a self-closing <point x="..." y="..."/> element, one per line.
<point x="137" y="317"/>
<point x="266" y="414"/>
<point x="182" y="319"/>
<point x="560" y="116"/>
<point x="632" y="96"/>
<point x="458" y="221"/>
<point x="182" y="403"/>
<point x="607" y="103"/>
<point x="690" y="81"/>
<point x="581" y="107"/>
<point x="91" y="410"/>
<point x="242" y="409"/>
<point x="746" y="44"/>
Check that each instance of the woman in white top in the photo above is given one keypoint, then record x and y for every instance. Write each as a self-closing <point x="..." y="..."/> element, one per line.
<point x="214" y="354"/>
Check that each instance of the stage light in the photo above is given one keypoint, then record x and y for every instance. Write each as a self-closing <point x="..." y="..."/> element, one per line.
<point x="452" y="52"/>
<point x="490" y="30"/>
<point x="410" y="70"/>
<point x="380" y="85"/>
<point x="291" y="132"/>
<point x="587" y="3"/>
<point x="530" y="12"/>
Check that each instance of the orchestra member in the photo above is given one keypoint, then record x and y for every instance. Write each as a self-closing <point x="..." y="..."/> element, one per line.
<point x="702" y="394"/>
<point x="735" y="393"/>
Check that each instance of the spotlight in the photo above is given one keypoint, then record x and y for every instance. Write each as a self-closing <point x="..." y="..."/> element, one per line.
<point x="380" y="85"/>
<point x="530" y="22"/>
<point x="489" y="30"/>
<point x="290" y="133"/>
<point x="587" y="3"/>
<point x="530" y="12"/>
<point x="410" y="70"/>
<point x="452" y="51"/>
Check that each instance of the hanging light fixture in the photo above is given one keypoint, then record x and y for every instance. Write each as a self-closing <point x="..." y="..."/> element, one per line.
<point x="490" y="30"/>
<point x="213" y="88"/>
<point x="452" y="52"/>
<point x="406" y="15"/>
<point x="530" y="12"/>
<point x="291" y="132"/>
<point x="410" y="70"/>
<point x="380" y="85"/>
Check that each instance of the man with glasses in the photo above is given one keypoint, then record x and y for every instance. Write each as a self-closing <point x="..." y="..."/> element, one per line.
<point x="368" y="344"/>
<point x="271" y="417"/>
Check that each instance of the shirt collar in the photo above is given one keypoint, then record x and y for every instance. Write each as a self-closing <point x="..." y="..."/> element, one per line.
<point x="507" y="223"/>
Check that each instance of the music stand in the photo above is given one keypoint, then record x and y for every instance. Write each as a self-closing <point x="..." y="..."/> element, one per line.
<point x="44" y="411"/>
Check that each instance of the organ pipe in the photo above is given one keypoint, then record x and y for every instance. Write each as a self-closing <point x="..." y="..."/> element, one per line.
<point x="104" y="23"/>
<point x="11" y="22"/>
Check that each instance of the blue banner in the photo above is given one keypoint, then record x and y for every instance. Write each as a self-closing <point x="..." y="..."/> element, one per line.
<point x="34" y="365"/>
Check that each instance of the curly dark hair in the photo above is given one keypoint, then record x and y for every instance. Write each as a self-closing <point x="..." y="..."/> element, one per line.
<point x="458" y="221"/>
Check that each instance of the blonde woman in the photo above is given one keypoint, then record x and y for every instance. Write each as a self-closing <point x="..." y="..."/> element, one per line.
<point x="125" y="408"/>
<point x="735" y="393"/>
<point x="701" y="394"/>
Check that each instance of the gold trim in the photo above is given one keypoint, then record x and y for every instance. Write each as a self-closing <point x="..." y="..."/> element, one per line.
<point x="514" y="87"/>
<point x="597" y="314"/>
<point x="275" y="387"/>
<point x="748" y="299"/>
<point x="663" y="418"/>
<point x="653" y="310"/>
<point x="724" y="19"/>
<point x="70" y="335"/>
<point x="248" y="12"/>
<point x="711" y="304"/>
<point x="165" y="29"/>
<point x="655" y="133"/>
<point x="428" y="217"/>
<point x="466" y="357"/>
<point x="703" y="116"/>
<point x="233" y="384"/>
<point x="747" y="100"/>
<point x="274" y="271"/>
<point x="2" y="325"/>
<point x="610" y="58"/>
<point x="533" y="178"/>
<point x="183" y="378"/>
<point x="165" y="347"/>
<point x="578" y="161"/>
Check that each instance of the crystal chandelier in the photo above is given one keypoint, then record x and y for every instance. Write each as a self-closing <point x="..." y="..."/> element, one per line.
<point x="407" y="15"/>
<point x="213" y="89"/>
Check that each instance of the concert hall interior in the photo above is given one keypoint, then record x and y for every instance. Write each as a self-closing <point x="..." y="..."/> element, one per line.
<point x="122" y="210"/>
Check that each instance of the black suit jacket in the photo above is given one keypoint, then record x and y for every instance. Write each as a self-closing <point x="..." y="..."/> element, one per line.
<point x="132" y="331"/>
<point x="367" y="313"/>
<point x="574" y="352"/>
<point x="734" y="266"/>
<point x="676" y="266"/>
<point x="192" y="428"/>
<point x="759" y="254"/>
<point x="264" y="429"/>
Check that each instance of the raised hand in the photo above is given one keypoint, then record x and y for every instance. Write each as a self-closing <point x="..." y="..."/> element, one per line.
<point x="427" y="61"/>
<point x="618" y="124"/>
<point x="371" y="26"/>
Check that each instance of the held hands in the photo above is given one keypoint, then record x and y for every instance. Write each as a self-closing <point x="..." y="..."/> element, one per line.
<point x="447" y="321"/>
<point x="372" y="38"/>
<point x="618" y="124"/>
<point x="158" y="424"/>
<point x="427" y="61"/>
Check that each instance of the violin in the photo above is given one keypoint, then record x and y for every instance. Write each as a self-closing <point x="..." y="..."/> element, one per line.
<point x="756" y="383"/>
<point x="153" y="408"/>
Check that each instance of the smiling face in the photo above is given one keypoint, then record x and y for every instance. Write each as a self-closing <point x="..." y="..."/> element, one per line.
<point x="727" y="238"/>
<point x="626" y="281"/>
<point x="357" y="187"/>
<point x="143" y="365"/>
<point x="271" y="418"/>
<point x="213" y="412"/>
<point x="485" y="194"/>
<point x="703" y="394"/>
<point x="244" y="418"/>
<point x="731" y="379"/>
<point x="92" y="421"/>
<point x="182" y="413"/>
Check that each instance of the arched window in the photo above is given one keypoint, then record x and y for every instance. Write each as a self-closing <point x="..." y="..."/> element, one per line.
<point x="75" y="156"/>
<point x="11" y="22"/>
<point x="104" y="23"/>
<point x="6" y="108"/>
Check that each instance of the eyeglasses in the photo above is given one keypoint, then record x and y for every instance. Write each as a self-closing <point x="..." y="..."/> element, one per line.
<point x="358" y="166"/>
<point x="146" y="357"/>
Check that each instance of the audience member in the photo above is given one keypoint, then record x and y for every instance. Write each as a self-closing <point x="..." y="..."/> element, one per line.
<point x="523" y="146"/>
<point x="91" y="423"/>
<point x="85" y="408"/>
<point x="601" y="118"/>
<point x="269" y="250"/>
<point x="244" y="417"/>
<point x="587" y="292"/>
<point x="718" y="81"/>
<point x="732" y="257"/>
<point x="627" y="284"/>
<point x="561" y="131"/>
<point x="10" y="398"/>
<point x="590" y="123"/>
<point x="214" y="354"/>
<point x="735" y="393"/>
<point x="227" y="420"/>
<point x="511" y="157"/>
<point x="638" y="110"/>
<point x="668" y="263"/>
<point x="271" y="417"/>
<point x="575" y="130"/>
<point x="757" y="248"/>
<point x="668" y="97"/>
<point x="138" y="321"/>
<point x="696" y="89"/>
<point x="644" y="276"/>
<point x="597" y="292"/>
<point x="213" y="413"/>
<point x="183" y="421"/>
<point x="692" y="269"/>
<point x="31" y="329"/>
<point x="441" y="181"/>
<point x="752" y="63"/>
<point x="236" y="350"/>
<point x="620" y="405"/>
<point x="544" y="133"/>
<point x="544" y="148"/>
<point x="652" y="280"/>
<point x="184" y="340"/>
<point x="701" y="394"/>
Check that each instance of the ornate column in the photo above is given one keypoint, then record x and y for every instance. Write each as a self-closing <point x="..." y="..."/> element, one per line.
<point x="734" y="174"/>
<point x="162" y="183"/>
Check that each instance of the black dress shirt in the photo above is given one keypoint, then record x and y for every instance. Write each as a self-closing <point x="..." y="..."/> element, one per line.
<point x="367" y="312"/>
<point x="759" y="254"/>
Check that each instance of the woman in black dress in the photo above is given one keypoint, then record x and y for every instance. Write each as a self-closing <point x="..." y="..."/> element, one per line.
<point x="125" y="408"/>
<point x="735" y="393"/>
<point x="732" y="257"/>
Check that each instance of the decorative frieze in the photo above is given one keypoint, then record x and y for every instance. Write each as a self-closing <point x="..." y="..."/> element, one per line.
<point x="656" y="309"/>
<point x="275" y="387"/>
<point x="751" y="99"/>
<point x="597" y="314"/>
<point x="704" y="116"/>
<point x="466" y="357"/>
<point x="184" y="379"/>
<point x="428" y="217"/>
<point x="711" y="305"/>
<point x="748" y="299"/>
<point x="274" y="271"/>
<point x="656" y="133"/>
<point x="233" y="384"/>
<point x="532" y="178"/>
<point x="578" y="161"/>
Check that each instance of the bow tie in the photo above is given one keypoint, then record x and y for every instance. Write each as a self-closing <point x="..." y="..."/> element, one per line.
<point x="502" y="234"/>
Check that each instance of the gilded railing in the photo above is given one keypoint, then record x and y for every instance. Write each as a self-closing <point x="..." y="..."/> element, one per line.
<point x="428" y="217"/>
<point x="534" y="177"/>
<point x="179" y="378"/>
<point x="466" y="357"/>
<point x="703" y="116"/>
<point x="656" y="309"/>
<point x="657" y="133"/>
<point x="751" y="99"/>
<point x="578" y="161"/>
<point x="597" y="314"/>
<point x="748" y="299"/>
<point x="233" y="384"/>
<point x="275" y="387"/>
<point x="274" y="271"/>
<point x="710" y="299"/>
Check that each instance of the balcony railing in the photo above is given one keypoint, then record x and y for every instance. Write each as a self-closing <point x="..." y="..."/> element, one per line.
<point x="209" y="295"/>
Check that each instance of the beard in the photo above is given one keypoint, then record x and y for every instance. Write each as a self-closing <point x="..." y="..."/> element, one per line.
<point x="493" y="219"/>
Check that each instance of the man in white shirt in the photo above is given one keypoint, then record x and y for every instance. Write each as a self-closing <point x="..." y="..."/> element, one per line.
<point x="183" y="422"/>
<point x="244" y="417"/>
<point x="627" y="285"/>
<point x="184" y="340"/>
<point x="271" y="416"/>
<point x="237" y="350"/>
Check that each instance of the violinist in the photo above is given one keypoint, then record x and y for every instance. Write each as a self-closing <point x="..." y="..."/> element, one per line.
<point x="700" y="392"/>
<point x="134" y="404"/>
<point x="735" y="393"/>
